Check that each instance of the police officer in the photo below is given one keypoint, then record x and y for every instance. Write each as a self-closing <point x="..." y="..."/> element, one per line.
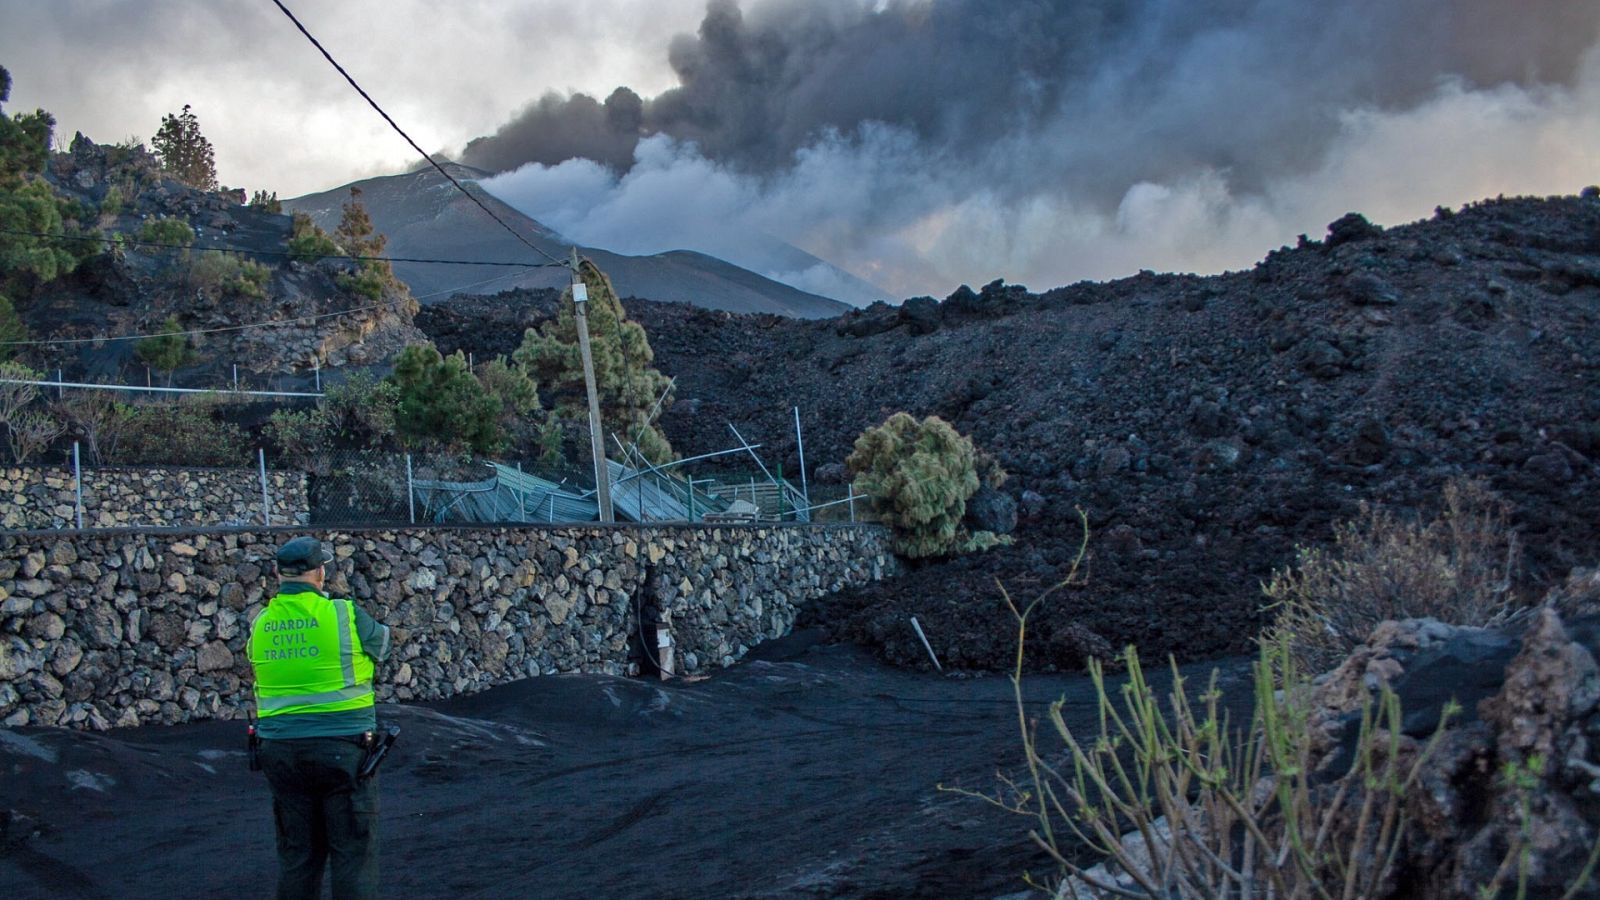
<point x="313" y="659"/>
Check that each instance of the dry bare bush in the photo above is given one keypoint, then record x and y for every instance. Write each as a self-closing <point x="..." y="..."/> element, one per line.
<point x="14" y="395"/>
<point x="97" y="418"/>
<point x="30" y="432"/>
<point x="1458" y="568"/>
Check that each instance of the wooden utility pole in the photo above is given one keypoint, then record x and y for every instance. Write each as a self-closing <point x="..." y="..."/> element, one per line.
<point x="597" y="444"/>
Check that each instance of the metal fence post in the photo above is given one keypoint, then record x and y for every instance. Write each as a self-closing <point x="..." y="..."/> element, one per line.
<point x="77" y="483"/>
<point x="266" y="504"/>
<point x="411" y="492"/>
<point x="852" y="501"/>
<point x="800" y="444"/>
<point x="236" y="377"/>
<point x="691" y="499"/>
<point x="61" y="392"/>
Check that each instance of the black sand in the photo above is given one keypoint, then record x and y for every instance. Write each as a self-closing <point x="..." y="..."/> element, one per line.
<point x="806" y="771"/>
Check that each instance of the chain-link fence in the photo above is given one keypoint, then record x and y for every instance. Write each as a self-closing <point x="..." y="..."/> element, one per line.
<point x="232" y="483"/>
<point x="99" y="459"/>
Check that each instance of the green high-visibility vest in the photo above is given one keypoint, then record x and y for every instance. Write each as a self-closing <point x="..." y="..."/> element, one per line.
<point x="307" y="657"/>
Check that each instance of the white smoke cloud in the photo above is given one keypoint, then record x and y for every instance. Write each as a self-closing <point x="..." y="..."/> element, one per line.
<point x="894" y="210"/>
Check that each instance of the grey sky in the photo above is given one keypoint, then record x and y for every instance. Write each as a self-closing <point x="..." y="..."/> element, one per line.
<point x="918" y="143"/>
<point x="279" y="116"/>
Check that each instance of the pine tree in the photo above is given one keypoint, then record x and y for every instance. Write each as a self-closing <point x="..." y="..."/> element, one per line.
<point x="167" y="351"/>
<point x="441" y="402"/>
<point x="356" y="237"/>
<point x="355" y="233"/>
<point x="919" y="476"/>
<point x="627" y="384"/>
<point x="28" y="204"/>
<point x="185" y="152"/>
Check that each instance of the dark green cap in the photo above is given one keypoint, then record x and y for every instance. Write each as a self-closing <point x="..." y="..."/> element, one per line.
<point x="302" y="555"/>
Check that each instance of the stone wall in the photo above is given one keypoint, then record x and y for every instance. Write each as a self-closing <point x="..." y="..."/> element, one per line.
<point x="42" y="498"/>
<point x="121" y="628"/>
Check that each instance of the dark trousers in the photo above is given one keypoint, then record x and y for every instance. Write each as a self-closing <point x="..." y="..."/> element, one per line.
<point x="322" y="813"/>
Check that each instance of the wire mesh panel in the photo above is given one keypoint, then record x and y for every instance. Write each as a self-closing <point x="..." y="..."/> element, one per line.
<point x="357" y="487"/>
<point x="774" y="499"/>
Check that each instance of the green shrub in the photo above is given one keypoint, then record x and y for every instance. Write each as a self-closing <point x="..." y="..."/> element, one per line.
<point x="166" y="351"/>
<point x="303" y="439"/>
<point x="307" y="242"/>
<point x="112" y="203"/>
<point x="251" y="280"/>
<point x="168" y="231"/>
<point x="185" y="434"/>
<point x="357" y="414"/>
<point x="919" y="476"/>
<point x="1459" y="568"/>
<point x="441" y="402"/>
<point x="220" y="274"/>
<point x="981" y="541"/>
<point x="360" y="411"/>
<point x="548" y="439"/>
<point x="11" y="328"/>
<point x="363" y="282"/>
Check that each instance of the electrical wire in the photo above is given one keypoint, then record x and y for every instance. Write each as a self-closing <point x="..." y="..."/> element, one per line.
<point x="120" y="239"/>
<point x="392" y="124"/>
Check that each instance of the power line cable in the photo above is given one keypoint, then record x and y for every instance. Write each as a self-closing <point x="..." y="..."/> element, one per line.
<point x="119" y="239"/>
<point x="392" y="124"/>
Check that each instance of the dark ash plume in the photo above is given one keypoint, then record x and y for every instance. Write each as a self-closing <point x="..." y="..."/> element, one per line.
<point x="1250" y="86"/>
<point x="925" y="142"/>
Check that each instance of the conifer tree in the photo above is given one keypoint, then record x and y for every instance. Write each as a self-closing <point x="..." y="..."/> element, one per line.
<point x="627" y="384"/>
<point x="27" y="203"/>
<point x="442" y="402"/>
<point x="166" y="351"/>
<point x="357" y="237"/>
<point x="184" y="151"/>
<point x="919" y="476"/>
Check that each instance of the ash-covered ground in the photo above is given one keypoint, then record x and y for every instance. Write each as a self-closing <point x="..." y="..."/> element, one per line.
<point x="805" y="771"/>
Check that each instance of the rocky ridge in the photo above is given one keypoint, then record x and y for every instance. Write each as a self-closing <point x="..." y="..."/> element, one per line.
<point x="133" y="289"/>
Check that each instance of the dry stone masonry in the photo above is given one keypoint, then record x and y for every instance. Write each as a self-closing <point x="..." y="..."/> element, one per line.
<point x="102" y="629"/>
<point x="43" y="498"/>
